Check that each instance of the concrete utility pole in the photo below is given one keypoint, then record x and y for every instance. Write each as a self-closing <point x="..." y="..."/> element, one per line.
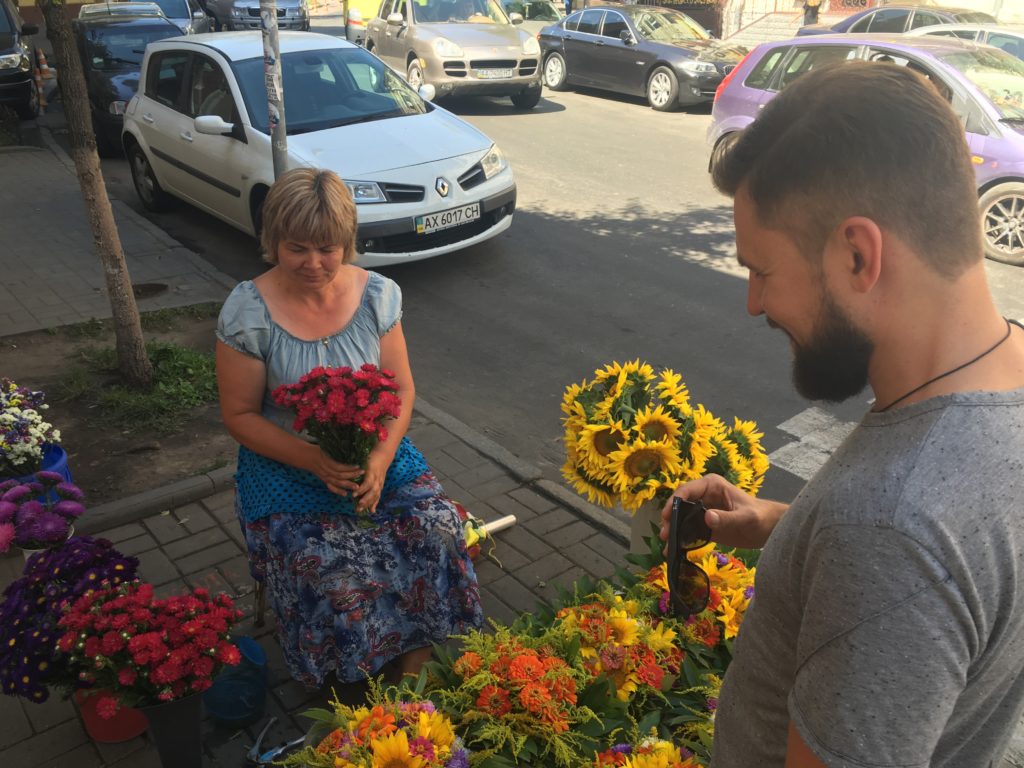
<point x="275" y="86"/>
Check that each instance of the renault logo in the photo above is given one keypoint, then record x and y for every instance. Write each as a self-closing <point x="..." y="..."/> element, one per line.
<point x="441" y="185"/>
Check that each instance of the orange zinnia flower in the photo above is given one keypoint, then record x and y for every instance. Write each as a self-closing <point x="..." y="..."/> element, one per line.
<point x="468" y="664"/>
<point x="494" y="701"/>
<point x="377" y="724"/>
<point x="534" y="697"/>
<point x="526" y="667"/>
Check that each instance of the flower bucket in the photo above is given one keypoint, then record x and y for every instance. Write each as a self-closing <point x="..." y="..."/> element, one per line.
<point x="55" y="459"/>
<point x="126" y="724"/>
<point x="174" y="728"/>
<point x="238" y="697"/>
<point x="27" y="553"/>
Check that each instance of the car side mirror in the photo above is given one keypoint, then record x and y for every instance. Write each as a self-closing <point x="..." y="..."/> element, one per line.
<point x="198" y="14"/>
<point x="214" y="125"/>
<point x="515" y="18"/>
<point x="711" y="34"/>
<point x="627" y="37"/>
<point x="427" y="92"/>
<point x="396" y="20"/>
<point x="29" y="29"/>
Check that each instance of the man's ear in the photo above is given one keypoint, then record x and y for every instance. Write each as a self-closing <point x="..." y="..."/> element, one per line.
<point x="859" y="252"/>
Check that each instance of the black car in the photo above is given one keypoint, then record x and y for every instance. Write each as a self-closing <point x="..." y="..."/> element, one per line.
<point x="899" y="18"/>
<point x="17" y="63"/>
<point x="640" y="50"/>
<point x="111" y="47"/>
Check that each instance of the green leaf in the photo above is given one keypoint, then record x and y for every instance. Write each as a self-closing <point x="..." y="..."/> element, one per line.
<point x="317" y="713"/>
<point x="649" y="721"/>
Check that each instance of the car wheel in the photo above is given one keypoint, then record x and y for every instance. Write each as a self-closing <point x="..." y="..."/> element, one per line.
<point x="1002" y="220"/>
<point x="414" y="74"/>
<point x="526" y="99"/>
<point x="30" y="109"/>
<point x="662" y="90"/>
<point x="147" y="187"/>
<point x="554" y="72"/>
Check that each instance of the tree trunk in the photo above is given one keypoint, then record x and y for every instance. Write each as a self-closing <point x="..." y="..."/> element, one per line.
<point x="133" y="363"/>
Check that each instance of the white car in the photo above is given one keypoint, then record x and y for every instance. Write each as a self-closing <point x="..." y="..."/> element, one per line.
<point x="425" y="182"/>
<point x="1010" y="39"/>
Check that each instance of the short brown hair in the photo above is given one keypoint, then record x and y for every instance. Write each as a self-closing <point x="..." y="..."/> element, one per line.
<point x="860" y="139"/>
<point x="308" y="205"/>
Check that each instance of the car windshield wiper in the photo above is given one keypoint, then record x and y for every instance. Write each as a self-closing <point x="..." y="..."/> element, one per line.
<point x="370" y="118"/>
<point x="119" y="60"/>
<point x="1012" y="119"/>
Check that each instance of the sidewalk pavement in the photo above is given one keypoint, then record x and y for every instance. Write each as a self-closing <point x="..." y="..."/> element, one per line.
<point x="185" y="534"/>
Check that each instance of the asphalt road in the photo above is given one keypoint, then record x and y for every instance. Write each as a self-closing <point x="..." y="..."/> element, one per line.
<point x="620" y="249"/>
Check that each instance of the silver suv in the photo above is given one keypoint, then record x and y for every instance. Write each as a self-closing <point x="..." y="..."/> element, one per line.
<point x="245" y="14"/>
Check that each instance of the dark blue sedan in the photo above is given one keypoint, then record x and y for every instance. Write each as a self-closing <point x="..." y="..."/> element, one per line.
<point x="899" y="18"/>
<point x="638" y="50"/>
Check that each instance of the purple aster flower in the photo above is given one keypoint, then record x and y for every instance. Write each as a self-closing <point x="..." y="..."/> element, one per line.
<point x="49" y="479"/>
<point x="7" y="511"/>
<point x="749" y="592"/>
<point x="69" y="509"/>
<point x="29" y="511"/>
<point x="69" y="491"/>
<point x="622" y="749"/>
<point x="6" y="485"/>
<point x="722" y="559"/>
<point x="46" y="528"/>
<point x="16" y="493"/>
<point x="712" y="703"/>
<point x="459" y="759"/>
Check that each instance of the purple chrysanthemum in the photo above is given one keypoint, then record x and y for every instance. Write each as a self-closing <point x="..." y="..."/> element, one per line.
<point x="723" y="560"/>
<point x="29" y="511"/>
<point x="17" y="493"/>
<point x="49" y="479"/>
<point x="459" y="759"/>
<point x="7" y="511"/>
<point x="69" y="492"/>
<point x="46" y="528"/>
<point x="749" y="592"/>
<point x="69" y="509"/>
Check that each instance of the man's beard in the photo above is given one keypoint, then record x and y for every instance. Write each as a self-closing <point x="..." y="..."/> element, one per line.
<point x="833" y="364"/>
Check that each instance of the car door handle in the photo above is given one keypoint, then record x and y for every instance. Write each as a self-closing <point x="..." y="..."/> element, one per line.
<point x="187" y="136"/>
<point x="147" y="118"/>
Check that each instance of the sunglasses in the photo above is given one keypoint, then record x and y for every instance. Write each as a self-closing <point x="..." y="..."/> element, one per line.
<point x="688" y="585"/>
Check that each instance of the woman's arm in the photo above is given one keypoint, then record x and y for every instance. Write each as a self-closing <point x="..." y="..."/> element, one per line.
<point x="242" y="381"/>
<point x="394" y="356"/>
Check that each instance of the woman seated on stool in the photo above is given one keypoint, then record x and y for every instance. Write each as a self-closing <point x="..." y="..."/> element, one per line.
<point x="365" y="566"/>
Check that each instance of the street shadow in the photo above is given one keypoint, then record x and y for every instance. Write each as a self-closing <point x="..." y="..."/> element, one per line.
<point x="480" y="106"/>
<point x="639" y="101"/>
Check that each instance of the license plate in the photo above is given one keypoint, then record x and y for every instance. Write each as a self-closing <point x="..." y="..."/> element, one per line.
<point x="494" y="74"/>
<point x="433" y="222"/>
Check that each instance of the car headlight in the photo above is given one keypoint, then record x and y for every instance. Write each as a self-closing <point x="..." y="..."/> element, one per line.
<point x="15" y="61"/>
<point x="698" y="67"/>
<point x="365" y="191"/>
<point x="117" y="107"/>
<point x="239" y="12"/>
<point x="531" y="47"/>
<point x="493" y="162"/>
<point x="445" y="47"/>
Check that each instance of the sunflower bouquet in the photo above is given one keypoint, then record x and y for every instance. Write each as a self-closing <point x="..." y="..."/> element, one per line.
<point x="388" y="732"/>
<point x="632" y="436"/>
<point x="651" y="752"/>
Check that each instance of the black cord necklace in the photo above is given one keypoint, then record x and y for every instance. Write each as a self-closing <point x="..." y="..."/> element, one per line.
<point x="951" y="371"/>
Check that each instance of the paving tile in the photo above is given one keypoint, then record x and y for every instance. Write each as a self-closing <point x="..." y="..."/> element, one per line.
<point x="221" y="504"/>
<point x="294" y="695"/>
<point x="194" y="517"/>
<point x="236" y="572"/>
<point x="171" y="589"/>
<point x="498" y="485"/>
<point x="573" y="533"/>
<point x="495" y="609"/>
<point x="156" y="568"/>
<point x="443" y="462"/>
<point x="510" y="558"/>
<point x="85" y="756"/>
<point x="589" y="560"/>
<point x="14" y="723"/>
<point x="544" y="569"/>
<point x="522" y="539"/>
<point x="209" y="580"/>
<point x="551" y="591"/>
<point x="137" y="545"/>
<point x="486" y="572"/>
<point x="506" y="505"/>
<point x="51" y="712"/>
<point x="609" y="548"/>
<point x="530" y="498"/>
<point x="208" y="557"/>
<point x="177" y="550"/>
<point x="431" y="436"/>
<point x="478" y="475"/>
<point x="45" y="747"/>
<point x="465" y="455"/>
<point x="166" y="528"/>
<point x="552" y="519"/>
<point x="113" y="753"/>
<point x="514" y="594"/>
<point x="124" y="533"/>
<point x="147" y="757"/>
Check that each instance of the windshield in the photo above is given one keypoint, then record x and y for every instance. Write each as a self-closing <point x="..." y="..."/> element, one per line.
<point x="975" y="17"/>
<point x="996" y="74"/>
<point x="460" y="12"/>
<point x="668" y="26"/>
<point x="174" y="9"/>
<point x="5" y="23"/>
<point x="540" y="10"/>
<point x="112" y="48"/>
<point x="327" y="89"/>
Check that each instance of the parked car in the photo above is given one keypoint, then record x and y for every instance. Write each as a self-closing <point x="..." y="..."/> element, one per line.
<point x="461" y="47"/>
<point x="425" y="182"/>
<point x="536" y="14"/>
<point x="17" y="63"/>
<point x="1009" y="39"/>
<point x="899" y="18"/>
<point x="984" y="85"/>
<point x="245" y="14"/>
<point x="359" y="14"/>
<point x="119" y="8"/>
<point x="111" y="47"/>
<point x="640" y="50"/>
<point x="188" y="15"/>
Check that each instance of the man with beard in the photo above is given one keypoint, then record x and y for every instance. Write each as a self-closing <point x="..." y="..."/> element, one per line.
<point x="888" y="623"/>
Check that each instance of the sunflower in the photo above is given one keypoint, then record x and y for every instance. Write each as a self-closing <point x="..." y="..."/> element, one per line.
<point x="661" y="638"/>
<point x="596" y="491"/>
<point x="641" y="461"/>
<point x="726" y="460"/>
<point x="634" y="498"/>
<point x="696" y="447"/>
<point x="393" y="752"/>
<point x="671" y="389"/>
<point x="616" y="371"/>
<point x="657" y="424"/>
<point x="624" y="628"/>
<point x="597" y="442"/>
<point x="436" y="727"/>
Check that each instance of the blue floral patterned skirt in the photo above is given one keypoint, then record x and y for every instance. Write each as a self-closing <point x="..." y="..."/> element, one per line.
<point x="350" y="595"/>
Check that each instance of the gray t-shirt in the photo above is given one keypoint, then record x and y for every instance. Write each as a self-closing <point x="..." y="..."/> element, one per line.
<point x="888" y="622"/>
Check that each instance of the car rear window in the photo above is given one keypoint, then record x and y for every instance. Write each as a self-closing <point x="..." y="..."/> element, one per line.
<point x="975" y="17"/>
<point x="5" y="21"/>
<point x="763" y="70"/>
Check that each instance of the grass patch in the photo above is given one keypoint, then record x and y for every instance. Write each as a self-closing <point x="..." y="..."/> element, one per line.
<point x="156" y="320"/>
<point x="183" y="379"/>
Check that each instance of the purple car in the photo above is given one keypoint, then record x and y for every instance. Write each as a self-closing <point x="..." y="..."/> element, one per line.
<point x="985" y="86"/>
<point x="898" y="18"/>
